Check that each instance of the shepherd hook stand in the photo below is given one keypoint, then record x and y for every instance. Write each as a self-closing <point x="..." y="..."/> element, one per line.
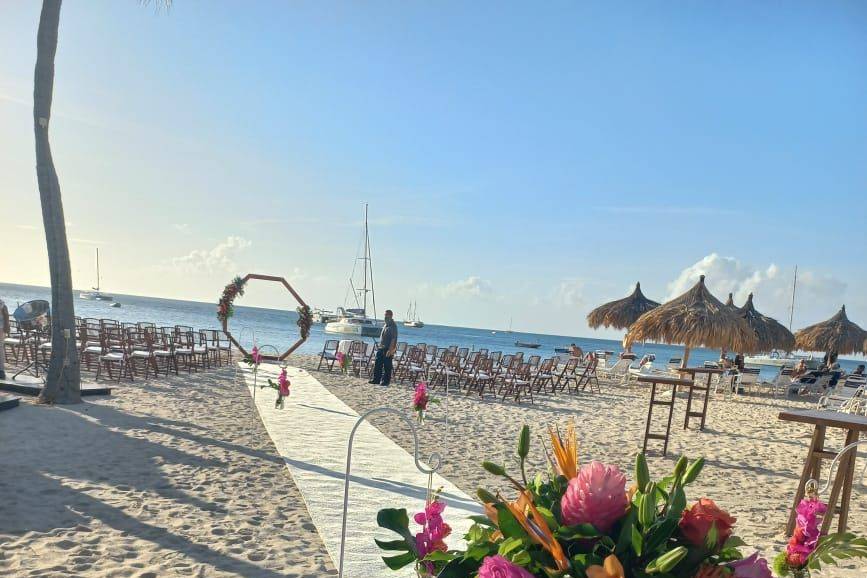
<point x="435" y="460"/>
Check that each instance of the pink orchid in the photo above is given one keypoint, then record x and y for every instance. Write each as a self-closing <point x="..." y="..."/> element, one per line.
<point x="283" y="382"/>
<point x="433" y="533"/>
<point x="752" y="567"/>
<point x="420" y="398"/>
<point x="499" y="567"/>
<point x="255" y="355"/>
<point x="807" y="533"/>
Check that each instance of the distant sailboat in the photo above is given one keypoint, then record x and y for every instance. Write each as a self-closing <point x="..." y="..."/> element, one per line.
<point x="412" y="319"/>
<point x="96" y="295"/>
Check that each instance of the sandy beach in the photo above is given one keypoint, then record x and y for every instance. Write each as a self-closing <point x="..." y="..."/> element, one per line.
<point x="753" y="459"/>
<point x="172" y="477"/>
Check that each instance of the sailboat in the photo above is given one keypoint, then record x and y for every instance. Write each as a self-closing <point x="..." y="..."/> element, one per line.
<point x="354" y="321"/>
<point x="412" y="319"/>
<point x="96" y="295"/>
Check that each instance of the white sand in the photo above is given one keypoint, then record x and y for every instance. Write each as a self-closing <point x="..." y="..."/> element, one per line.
<point x="753" y="459"/>
<point x="175" y="477"/>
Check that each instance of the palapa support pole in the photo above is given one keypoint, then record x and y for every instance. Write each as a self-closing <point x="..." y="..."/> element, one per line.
<point x="685" y="361"/>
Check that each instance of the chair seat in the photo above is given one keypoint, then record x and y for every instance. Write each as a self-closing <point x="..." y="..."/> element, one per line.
<point x="328" y="355"/>
<point x="483" y="376"/>
<point x="141" y="354"/>
<point x="45" y="347"/>
<point x="183" y="351"/>
<point x="200" y="349"/>
<point x="112" y="357"/>
<point x="93" y="349"/>
<point x="162" y="353"/>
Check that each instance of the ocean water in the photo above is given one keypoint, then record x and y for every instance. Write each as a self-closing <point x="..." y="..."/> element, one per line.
<point x="277" y="328"/>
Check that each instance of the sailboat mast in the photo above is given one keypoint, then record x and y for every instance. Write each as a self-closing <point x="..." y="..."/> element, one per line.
<point x="366" y="250"/>
<point x="792" y="308"/>
<point x="97" y="268"/>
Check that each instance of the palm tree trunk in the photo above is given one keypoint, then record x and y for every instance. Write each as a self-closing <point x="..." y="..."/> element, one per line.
<point x="63" y="383"/>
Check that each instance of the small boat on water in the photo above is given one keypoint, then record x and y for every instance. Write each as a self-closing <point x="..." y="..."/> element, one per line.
<point x="115" y="304"/>
<point x="323" y="316"/>
<point x="96" y="295"/>
<point x="781" y="359"/>
<point x="561" y="350"/>
<point x="412" y="319"/>
<point x="528" y="345"/>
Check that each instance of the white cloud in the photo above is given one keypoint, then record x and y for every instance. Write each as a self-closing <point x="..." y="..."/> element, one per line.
<point x="568" y="293"/>
<point x="472" y="286"/>
<point x="816" y="294"/>
<point x="220" y="258"/>
<point x="183" y="228"/>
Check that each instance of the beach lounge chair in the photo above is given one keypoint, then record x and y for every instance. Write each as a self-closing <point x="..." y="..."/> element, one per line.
<point x="847" y="397"/>
<point x="780" y="383"/>
<point x="747" y="378"/>
<point x="618" y="371"/>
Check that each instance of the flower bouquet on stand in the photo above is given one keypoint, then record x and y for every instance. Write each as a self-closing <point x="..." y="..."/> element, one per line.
<point x="808" y="548"/>
<point x="584" y="522"/>
<point x="420" y="400"/>
<point x="343" y="361"/>
<point x="282" y="386"/>
<point x="254" y="360"/>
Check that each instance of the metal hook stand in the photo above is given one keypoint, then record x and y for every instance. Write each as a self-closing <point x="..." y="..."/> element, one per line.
<point x="812" y="485"/>
<point x="435" y="461"/>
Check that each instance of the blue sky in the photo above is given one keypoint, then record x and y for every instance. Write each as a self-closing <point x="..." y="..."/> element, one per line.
<point x="519" y="160"/>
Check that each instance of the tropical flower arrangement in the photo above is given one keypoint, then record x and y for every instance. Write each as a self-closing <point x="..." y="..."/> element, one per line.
<point x="282" y="386"/>
<point x="343" y="361"/>
<point x="254" y="359"/>
<point x="808" y="548"/>
<point x="584" y="522"/>
<point x="305" y="320"/>
<point x="420" y="400"/>
<point x="225" y="309"/>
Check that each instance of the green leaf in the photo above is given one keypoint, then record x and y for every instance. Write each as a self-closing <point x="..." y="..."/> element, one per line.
<point x="693" y="471"/>
<point x="637" y="541"/>
<point x="577" y="532"/>
<point x="678" y="503"/>
<point x="549" y="518"/>
<point x="438" y="556"/>
<point x="397" y="521"/>
<point x="460" y="568"/>
<point x="494" y="469"/>
<point x="733" y="542"/>
<point x="642" y="473"/>
<point x="509" y="526"/>
<point x="399" y="561"/>
<point x="659" y="534"/>
<point x="398" y="545"/>
<point x="482" y="521"/>
<point x="508" y="545"/>
<point x="781" y="567"/>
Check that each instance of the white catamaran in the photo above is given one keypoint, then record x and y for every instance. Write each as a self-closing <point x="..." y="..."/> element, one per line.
<point x="354" y="320"/>
<point x="96" y="295"/>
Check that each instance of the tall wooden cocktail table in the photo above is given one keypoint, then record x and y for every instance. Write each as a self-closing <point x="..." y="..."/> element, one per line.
<point x="694" y="372"/>
<point x="842" y="487"/>
<point x="654" y="381"/>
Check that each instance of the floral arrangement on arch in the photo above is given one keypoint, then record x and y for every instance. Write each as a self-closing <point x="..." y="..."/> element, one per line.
<point x="584" y="522"/>
<point x="225" y="307"/>
<point x="305" y="320"/>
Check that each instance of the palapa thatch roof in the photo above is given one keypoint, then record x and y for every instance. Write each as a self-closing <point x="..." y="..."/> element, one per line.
<point x="730" y="302"/>
<point x="695" y="319"/>
<point x="837" y="334"/>
<point x="770" y="333"/>
<point x="622" y="313"/>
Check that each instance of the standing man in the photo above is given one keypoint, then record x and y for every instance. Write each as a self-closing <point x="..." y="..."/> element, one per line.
<point x="4" y="331"/>
<point x="385" y="353"/>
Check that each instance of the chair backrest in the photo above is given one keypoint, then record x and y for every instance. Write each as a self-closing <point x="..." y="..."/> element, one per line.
<point x="534" y="360"/>
<point x="519" y="355"/>
<point x="496" y="356"/>
<point x="431" y="349"/>
<point x="463" y="352"/>
<point x="331" y="345"/>
<point x="621" y="367"/>
<point x="547" y="366"/>
<point x="483" y="351"/>
<point x="357" y="347"/>
<point x="749" y="375"/>
<point x="472" y="357"/>
<point x="506" y="360"/>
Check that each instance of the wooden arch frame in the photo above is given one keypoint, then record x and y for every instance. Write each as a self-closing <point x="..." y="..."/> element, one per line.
<point x="297" y="297"/>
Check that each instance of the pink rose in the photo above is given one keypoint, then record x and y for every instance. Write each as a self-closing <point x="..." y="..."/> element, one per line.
<point x="695" y="523"/>
<point x="499" y="567"/>
<point x="752" y="567"/>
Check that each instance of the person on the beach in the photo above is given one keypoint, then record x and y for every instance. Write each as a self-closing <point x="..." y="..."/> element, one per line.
<point x="859" y="370"/>
<point x="575" y="351"/>
<point x="385" y="353"/>
<point x="799" y="369"/>
<point x="5" y="329"/>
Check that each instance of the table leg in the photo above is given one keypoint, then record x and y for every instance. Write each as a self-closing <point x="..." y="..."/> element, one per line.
<point x="838" y="487"/>
<point x="704" y="405"/>
<point x="847" y="483"/>
<point x="812" y="466"/>
<point x="670" y="414"/>
<point x="688" y="408"/>
<point x="649" y="414"/>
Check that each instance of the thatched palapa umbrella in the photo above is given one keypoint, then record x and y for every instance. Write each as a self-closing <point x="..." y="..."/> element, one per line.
<point x="695" y="319"/>
<point x="770" y="333"/>
<point x="622" y="313"/>
<point x="836" y="335"/>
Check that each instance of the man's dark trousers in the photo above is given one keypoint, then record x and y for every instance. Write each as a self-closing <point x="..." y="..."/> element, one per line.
<point x="382" y="368"/>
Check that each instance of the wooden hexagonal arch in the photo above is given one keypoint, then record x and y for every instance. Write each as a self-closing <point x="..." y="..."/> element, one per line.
<point x="281" y="280"/>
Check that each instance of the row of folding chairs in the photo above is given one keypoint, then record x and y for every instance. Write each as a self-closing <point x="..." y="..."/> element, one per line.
<point x="128" y="350"/>
<point x="479" y="371"/>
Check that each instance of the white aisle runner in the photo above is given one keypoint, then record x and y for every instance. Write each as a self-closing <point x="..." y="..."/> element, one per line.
<point x="311" y="434"/>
